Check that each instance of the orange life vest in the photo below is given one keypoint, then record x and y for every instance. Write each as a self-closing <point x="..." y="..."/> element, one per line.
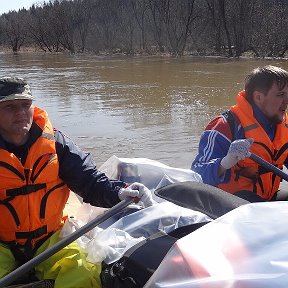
<point x="247" y="174"/>
<point x="32" y="196"/>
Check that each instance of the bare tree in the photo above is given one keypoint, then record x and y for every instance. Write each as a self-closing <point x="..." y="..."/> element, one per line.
<point x="216" y="27"/>
<point x="241" y="13"/>
<point x="178" y="17"/>
<point x="269" y="37"/>
<point x="225" y="27"/>
<point x="106" y="24"/>
<point x="140" y="9"/>
<point x="14" y="27"/>
<point x="222" y="9"/>
<point x="41" y="30"/>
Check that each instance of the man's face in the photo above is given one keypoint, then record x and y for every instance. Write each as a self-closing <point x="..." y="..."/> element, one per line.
<point x="16" y="118"/>
<point x="274" y="103"/>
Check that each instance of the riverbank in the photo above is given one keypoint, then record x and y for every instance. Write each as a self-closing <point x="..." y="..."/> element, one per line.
<point x="249" y="55"/>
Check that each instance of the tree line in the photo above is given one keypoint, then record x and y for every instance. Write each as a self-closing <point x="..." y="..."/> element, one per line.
<point x="230" y="28"/>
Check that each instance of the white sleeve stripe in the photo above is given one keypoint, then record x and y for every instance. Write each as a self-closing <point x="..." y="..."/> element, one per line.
<point x="208" y="149"/>
<point x="209" y="146"/>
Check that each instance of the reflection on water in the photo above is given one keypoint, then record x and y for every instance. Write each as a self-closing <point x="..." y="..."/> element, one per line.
<point x="132" y="107"/>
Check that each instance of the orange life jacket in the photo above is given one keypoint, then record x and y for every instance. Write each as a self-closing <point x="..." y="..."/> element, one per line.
<point x="247" y="174"/>
<point x="32" y="196"/>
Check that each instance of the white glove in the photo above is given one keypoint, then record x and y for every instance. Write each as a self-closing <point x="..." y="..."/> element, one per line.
<point x="238" y="150"/>
<point x="137" y="190"/>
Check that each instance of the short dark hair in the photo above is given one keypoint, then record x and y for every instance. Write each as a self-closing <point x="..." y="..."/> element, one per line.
<point x="262" y="79"/>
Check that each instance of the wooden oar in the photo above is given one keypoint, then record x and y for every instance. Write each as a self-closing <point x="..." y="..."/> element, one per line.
<point x="268" y="166"/>
<point x="11" y="277"/>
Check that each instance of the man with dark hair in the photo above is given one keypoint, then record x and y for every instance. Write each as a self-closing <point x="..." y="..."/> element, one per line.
<point x="38" y="167"/>
<point x="257" y="123"/>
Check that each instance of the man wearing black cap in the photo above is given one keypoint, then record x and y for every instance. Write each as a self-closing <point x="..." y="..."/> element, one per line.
<point x="38" y="167"/>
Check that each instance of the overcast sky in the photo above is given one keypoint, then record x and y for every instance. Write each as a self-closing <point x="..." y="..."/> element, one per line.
<point x="7" y="5"/>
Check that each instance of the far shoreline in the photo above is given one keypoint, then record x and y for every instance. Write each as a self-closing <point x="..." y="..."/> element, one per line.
<point x="107" y="54"/>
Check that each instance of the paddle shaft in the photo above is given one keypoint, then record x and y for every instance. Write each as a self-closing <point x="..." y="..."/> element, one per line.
<point x="11" y="277"/>
<point x="269" y="166"/>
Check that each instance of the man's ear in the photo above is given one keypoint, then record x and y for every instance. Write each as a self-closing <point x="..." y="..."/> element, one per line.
<point x="257" y="97"/>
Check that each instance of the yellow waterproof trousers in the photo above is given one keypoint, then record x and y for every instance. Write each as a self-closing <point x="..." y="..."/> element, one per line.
<point x="68" y="267"/>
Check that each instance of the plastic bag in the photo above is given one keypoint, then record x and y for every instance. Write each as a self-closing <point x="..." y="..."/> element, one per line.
<point x="111" y="243"/>
<point x="246" y="247"/>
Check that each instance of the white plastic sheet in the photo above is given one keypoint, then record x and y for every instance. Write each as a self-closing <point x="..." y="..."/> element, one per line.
<point x="110" y="244"/>
<point x="151" y="173"/>
<point x="246" y="247"/>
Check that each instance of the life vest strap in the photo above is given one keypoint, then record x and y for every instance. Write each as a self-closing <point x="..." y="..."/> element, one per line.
<point x="11" y="209"/>
<point x="32" y="234"/>
<point x="25" y="190"/>
<point x="228" y="115"/>
<point x="24" y="253"/>
<point x="12" y="169"/>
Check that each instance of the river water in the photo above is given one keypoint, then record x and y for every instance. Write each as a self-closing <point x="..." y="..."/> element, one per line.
<point x="148" y="107"/>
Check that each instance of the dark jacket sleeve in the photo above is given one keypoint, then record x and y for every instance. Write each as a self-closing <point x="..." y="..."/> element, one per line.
<point x="78" y="170"/>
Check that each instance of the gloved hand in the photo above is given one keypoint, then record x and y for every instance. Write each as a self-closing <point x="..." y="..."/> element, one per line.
<point x="238" y="150"/>
<point x="139" y="192"/>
